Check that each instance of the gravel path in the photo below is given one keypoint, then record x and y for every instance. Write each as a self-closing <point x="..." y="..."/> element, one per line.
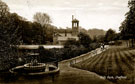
<point x="70" y="75"/>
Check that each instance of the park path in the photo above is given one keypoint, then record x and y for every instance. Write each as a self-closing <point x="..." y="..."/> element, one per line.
<point x="70" y="75"/>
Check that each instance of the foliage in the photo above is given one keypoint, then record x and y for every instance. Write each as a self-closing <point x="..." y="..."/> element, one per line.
<point x="32" y="33"/>
<point x="84" y="39"/>
<point x="8" y="35"/>
<point x="110" y="35"/>
<point x="127" y="27"/>
<point x="45" y="55"/>
<point x="71" y="43"/>
<point x="73" y="48"/>
<point x="4" y="9"/>
<point x="101" y="38"/>
<point x="94" y="45"/>
<point x="49" y="31"/>
<point x="73" y="52"/>
<point x="42" y="18"/>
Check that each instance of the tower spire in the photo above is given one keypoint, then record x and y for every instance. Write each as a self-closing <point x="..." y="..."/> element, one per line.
<point x="72" y="17"/>
<point x="75" y="26"/>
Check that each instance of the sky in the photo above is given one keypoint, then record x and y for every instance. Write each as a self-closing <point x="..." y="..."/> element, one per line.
<point x="102" y="14"/>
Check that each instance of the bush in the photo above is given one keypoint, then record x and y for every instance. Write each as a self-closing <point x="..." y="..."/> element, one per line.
<point x="118" y="43"/>
<point x="8" y="59"/>
<point x="71" y="43"/>
<point x="94" y="45"/>
<point x="45" y="55"/>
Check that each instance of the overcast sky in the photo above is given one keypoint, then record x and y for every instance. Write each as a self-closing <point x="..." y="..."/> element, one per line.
<point x="103" y="14"/>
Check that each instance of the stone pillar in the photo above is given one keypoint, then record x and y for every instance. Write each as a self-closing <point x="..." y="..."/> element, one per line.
<point x="47" y="67"/>
<point x="72" y="24"/>
<point x="77" y="24"/>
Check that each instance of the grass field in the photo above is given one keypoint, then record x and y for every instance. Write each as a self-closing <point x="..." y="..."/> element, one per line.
<point x="115" y="64"/>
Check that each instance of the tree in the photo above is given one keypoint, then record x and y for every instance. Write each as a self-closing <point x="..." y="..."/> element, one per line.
<point x="110" y="35"/>
<point x="4" y="9"/>
<point x="49" y="33"/>
<point x="101" y="38"/>
<point x="95" y="39"/>
<point x="15" y="27"/>
<point x="8" y="56"/>
<point x="45" y="20"/>
<point x="84" y="39"/>
<point x="42" y="18"/>
<point x="32" y="33"/>
<point x="127" y="27"/>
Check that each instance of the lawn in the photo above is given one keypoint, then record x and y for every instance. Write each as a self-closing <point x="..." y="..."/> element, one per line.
<point x="115" y="64"/>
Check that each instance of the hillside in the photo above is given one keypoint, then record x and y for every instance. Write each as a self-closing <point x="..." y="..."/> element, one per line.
<point x="96" y="32"/>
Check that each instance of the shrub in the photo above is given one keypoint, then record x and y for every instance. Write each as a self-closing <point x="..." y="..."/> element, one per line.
<point x="45" y="55"/>
<point x="94" y="45"/>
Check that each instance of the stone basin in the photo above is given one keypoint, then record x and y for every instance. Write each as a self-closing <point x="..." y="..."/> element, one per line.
<point x="38" y="66"/>
<point x="23" y="71"/>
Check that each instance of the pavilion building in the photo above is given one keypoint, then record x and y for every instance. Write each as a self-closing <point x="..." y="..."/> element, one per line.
<point x="59" y="38"/>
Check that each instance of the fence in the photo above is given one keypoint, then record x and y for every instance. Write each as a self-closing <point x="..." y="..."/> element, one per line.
<point x="86" y="56"/>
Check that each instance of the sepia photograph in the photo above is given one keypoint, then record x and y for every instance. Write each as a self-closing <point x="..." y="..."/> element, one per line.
<point x="67" y="41"/>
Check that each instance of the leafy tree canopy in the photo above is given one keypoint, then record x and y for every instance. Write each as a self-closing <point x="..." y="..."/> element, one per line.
<point x="84" y="39"/>
<point x="110" y="35"/>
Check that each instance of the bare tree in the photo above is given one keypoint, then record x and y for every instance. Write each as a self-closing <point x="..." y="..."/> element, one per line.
<point x="42" y="18"/>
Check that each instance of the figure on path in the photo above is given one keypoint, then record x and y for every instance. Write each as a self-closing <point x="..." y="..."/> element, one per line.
<point x="102" y="46"/>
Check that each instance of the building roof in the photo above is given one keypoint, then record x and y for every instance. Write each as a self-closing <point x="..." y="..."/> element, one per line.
<point x="75" y="20"/>
<point x="64" y="31"/>
<point x="67" y="38"/>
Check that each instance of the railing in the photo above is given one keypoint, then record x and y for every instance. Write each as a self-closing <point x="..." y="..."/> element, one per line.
<point x="86" y="56"/>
